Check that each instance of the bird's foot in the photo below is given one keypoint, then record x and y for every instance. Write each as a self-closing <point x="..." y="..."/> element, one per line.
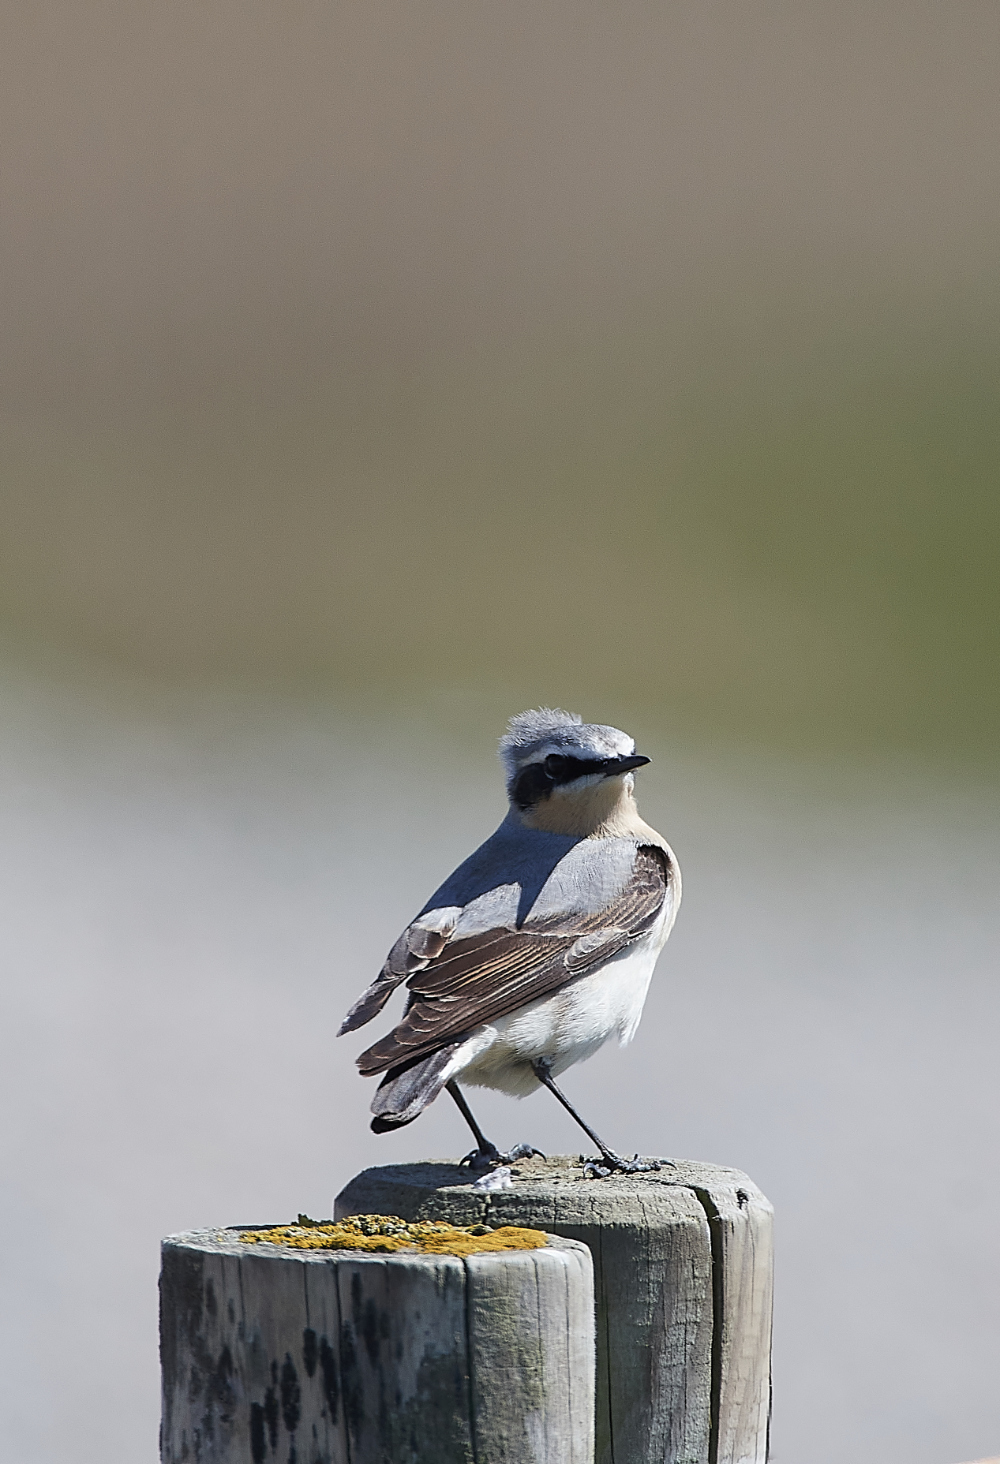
<point x="483" y="1158"/>
<point x="611" y="1163"/>
<point x="490" y="1157"/>
<point x="521" y="1151"/>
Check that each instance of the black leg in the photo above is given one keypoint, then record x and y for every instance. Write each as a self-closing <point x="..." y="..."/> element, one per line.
<point x="485" y="1153"/>
<point x="612" y="1161"/>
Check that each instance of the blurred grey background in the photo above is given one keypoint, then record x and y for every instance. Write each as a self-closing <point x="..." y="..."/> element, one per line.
<point x="371" y="372"/>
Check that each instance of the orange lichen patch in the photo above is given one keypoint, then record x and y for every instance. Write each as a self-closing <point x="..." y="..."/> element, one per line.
<point x="387" y="1233"/>
<point x="459" y="1242"/>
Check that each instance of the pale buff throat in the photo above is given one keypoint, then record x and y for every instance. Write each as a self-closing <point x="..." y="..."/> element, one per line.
<point x="605" y="809"/>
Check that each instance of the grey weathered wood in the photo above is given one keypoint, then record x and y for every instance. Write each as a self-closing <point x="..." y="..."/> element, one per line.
<point x="683" y="1276"/>
<point x="531" y="1342"/>
<point x="740" y="1222"/>
<point x="340" y="1357"/>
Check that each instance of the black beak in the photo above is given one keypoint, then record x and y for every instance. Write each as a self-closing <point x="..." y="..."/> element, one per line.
<point x="615" y="765"/>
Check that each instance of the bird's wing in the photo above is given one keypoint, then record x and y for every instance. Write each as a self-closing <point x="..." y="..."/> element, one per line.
<point x="481" y="977"/>
<point x="419" y="943"/>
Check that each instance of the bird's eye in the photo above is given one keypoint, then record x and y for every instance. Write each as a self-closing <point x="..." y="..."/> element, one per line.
<point x="555" y="763"/>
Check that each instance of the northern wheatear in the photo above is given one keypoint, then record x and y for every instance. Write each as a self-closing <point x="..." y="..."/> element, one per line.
<point x="540" y="946"/>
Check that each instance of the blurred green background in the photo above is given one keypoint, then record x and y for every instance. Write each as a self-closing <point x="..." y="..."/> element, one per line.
<point x="635" y="357"/>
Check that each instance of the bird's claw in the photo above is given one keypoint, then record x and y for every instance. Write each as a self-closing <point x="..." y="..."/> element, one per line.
<point x="490" y="1158"/>
<point x="482" y="1158"/>
<point x="640" y="1166"/>
<point x="521" y="1151"/>
<point x="612" y="1164"/>
<point x="593" y="1170"/>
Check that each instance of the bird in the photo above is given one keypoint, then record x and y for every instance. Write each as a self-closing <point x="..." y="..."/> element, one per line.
<point x="539" y="947"/>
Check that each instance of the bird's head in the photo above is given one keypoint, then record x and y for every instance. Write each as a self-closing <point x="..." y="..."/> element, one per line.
<point x="566" y="775"/>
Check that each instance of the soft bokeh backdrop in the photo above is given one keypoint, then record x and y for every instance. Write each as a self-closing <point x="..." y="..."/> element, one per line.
<point x="370" y="372"/>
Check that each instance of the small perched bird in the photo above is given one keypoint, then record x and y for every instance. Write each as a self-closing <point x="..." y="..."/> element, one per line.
<point x="539" y="947"/>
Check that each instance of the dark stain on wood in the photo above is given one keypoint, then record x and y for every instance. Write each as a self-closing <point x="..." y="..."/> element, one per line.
<point x="310" y="1351"/>
<point x="258" y="1437"/>
<point x="350" y="1382"/>
<point x="331" y="1380"/>
<point x="271" y="1413"/>
<point x="291" y="1395"/>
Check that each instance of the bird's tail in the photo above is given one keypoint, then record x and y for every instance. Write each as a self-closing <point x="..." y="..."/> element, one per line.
<point x="405" y="1091"/>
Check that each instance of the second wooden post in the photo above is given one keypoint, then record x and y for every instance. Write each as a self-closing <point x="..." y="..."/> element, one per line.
<point x="683" y="1283"/>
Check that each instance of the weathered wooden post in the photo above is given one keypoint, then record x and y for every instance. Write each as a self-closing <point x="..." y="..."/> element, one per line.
<point x="280" y="1352"/>
<point x="683" y="1279"/>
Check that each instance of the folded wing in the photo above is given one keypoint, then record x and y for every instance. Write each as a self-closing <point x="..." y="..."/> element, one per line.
<point x="480" y="978"/>
<point x="419" y="943"/>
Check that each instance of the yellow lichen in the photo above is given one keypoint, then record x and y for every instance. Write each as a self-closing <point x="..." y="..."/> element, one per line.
<point x="387" y="1233"/>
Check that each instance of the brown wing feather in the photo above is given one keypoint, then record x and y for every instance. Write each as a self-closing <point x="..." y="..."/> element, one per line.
<point x="486" y="976"/>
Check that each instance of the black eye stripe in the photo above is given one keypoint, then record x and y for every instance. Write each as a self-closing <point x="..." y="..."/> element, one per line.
<point x="531" y="784"/>
<point x="579" y="767"/>
<point x="537" y="780"/>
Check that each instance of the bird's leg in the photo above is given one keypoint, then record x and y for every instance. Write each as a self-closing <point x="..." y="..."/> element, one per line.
<point x="486" y="1154"/>
<point x="611" y="1161"/>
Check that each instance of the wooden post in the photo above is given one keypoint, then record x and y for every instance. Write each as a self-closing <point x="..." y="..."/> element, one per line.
<point x="683" y="1279"/>
<point x="340" y="1357"/>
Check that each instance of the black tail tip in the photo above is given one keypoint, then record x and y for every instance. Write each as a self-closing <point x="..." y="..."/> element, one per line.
<point x="387" y="1125"/>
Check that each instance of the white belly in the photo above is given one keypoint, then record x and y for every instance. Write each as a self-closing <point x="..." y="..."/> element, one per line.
<point x="566" y="1027"/>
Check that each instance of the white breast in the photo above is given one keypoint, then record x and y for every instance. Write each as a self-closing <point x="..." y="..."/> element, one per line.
<point x="566" y="1027"/>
